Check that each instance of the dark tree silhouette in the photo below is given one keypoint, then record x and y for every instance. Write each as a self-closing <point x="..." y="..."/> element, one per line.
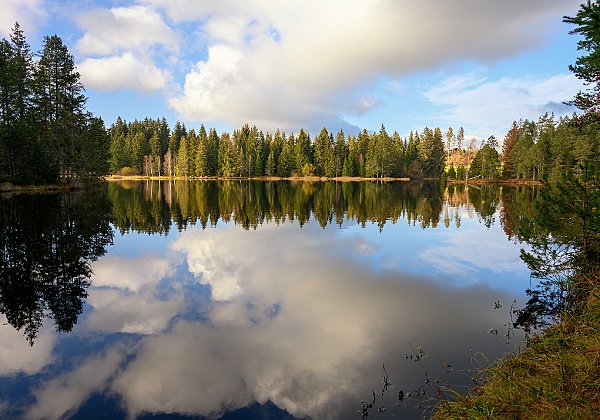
<point x="46" y="247"/>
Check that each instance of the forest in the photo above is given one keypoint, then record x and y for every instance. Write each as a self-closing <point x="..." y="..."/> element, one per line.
<point x="47" y="136"/>
<point x="536" y="150"/>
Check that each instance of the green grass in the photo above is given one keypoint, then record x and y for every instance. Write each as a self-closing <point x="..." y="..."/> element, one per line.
<point x="557" y="376"/>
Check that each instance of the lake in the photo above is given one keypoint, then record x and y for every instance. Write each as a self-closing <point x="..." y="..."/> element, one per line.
<point x="251" y="299"/>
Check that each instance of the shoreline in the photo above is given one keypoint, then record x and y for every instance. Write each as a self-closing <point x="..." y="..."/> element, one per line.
<point x="116" y="178"/>
<point x="526" y="182"/>
<point x="7" y="187"/>
<point x="477" y="181"/>
<point x="554" y="376"/>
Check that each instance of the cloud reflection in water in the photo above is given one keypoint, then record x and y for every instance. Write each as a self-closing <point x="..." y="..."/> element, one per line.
<point x="285" y="315"/>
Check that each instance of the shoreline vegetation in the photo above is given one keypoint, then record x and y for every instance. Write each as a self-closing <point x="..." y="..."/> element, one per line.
<point x="472" y="181"/>
<point x="113" y="178"/>
<point x="8" y="187"/>
<point x="556" y="376"/>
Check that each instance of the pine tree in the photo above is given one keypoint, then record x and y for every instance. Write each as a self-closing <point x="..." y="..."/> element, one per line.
<point x="587" y="67"/>
<point x="155" y="154"/>
<point x="286" y="163"/>
<point x="212" y="153"/>
<point x="58" y="103"/>
<point x="323" y="153"/>
<point x="302" y="151"/>
<point x="508" y="149"/>
<point x="202" y="153"/>
<point x="450" y="139"/>
<point x="192" y="148"/>
<point x="339" y="152"/>
<point x="182" y="167"/>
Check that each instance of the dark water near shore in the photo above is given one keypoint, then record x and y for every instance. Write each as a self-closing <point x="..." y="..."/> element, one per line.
<point x="255" y="299"/>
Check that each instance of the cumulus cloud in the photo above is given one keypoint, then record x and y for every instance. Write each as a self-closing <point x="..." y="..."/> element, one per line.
<point x="124" y="295"/>
<point x="107" y="31"/>
<point x="28" y="13"/>
<point x="124" y="71"/>
<point x="284" y="66"/>
<point x="488" y="107"/>
<point x="125" y="43"/>
<point x="213" y="265"/>
<point x="307" y="330"/>
<point x="61" y="396"/>
<point x="136" y="313"/>
<point x="130" y="274"/>
<point x="16" y="355"/>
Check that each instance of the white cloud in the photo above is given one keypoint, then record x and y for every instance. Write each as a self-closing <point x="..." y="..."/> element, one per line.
<point x="28" y="13"/>
<point x="286" y="65"/>
<point x="130" y="274"/>
<point x="60" y="396"/>
<point x="136" y="313"/>
<point x="124" y="71"/>
<point x="124" y="295"/>
<point x="213" y="265"/>
<point x="486" y="107"/>
<point x="307" y="330"/>
<point x="107" y="31"/>
<point x="16" y="355"/>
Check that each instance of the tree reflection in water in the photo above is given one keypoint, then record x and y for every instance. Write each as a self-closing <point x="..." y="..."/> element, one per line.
<point x="179" y="323"/>
<point x="48" y="241"/>
<point x="46" y="247"/>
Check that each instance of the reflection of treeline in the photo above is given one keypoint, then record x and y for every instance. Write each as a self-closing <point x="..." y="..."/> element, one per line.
<point x="151" y="206"/>
<point x="518" y="212"/>
<point x="149" y="147"/>
<point x="46" y="246"/>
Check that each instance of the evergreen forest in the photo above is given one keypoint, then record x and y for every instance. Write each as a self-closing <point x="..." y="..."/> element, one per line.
<point x="47" y="136"/>
<point x="532" y="150"/>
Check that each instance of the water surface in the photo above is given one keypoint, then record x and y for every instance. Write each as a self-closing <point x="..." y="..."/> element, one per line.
<point x="255" y="299"/>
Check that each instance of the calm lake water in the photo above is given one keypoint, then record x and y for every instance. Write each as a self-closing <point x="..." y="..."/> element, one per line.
<point x="255" y="299"/>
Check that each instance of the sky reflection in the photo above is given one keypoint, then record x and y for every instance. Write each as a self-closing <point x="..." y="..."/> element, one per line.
<point x="204" y="322"/>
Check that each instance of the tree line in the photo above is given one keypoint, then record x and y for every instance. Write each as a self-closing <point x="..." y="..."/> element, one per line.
<point x="148" y="147"/>
<point x="534" y="150"/>
<point x="540" y="150"/>
<point x="46" y="135"/>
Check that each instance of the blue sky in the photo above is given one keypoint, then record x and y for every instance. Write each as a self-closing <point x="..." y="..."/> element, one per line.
<point x="340" y="64"/>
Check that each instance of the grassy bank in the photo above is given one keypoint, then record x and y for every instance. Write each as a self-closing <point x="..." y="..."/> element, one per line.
<point x="261" y="178"/>
<point x="10" y="188"/>
<point x="472" y="181"/>
<point x="480" y="181"/>
<point x="557" y="376"/>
